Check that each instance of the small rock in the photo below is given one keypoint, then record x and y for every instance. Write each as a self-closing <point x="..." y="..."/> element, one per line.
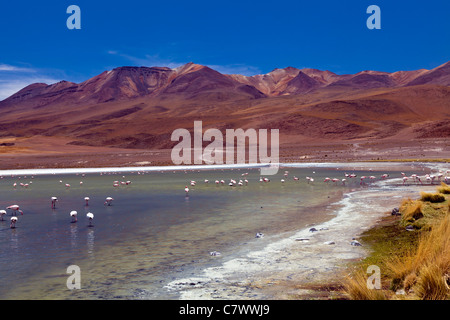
<point x="259" y="235"/>
<point x="400" y="292"/>
<point x="313" y="230"/>
<point x="301" y="239"/>
<point x="329" y="242"/>
<point x="214" y="253"/>
<point x="409" y="228"/>
<point x="356" y="243"/>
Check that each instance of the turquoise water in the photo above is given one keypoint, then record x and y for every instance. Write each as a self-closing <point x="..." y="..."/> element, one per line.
<point x="152" y="233"/>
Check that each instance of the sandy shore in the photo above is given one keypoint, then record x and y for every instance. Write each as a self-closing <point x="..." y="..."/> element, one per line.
<point x="45" y="152"/>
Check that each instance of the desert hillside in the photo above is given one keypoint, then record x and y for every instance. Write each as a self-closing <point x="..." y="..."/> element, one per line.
<point x="137" y="108"/>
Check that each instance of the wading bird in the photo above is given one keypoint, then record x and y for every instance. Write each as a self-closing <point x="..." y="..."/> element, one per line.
<point x="54" y="199"/>
<point x="90" y="216"/>
<point x="73" y="214"/>
<point x="14" y="208"/>
<point x="108" y="201"/>
<point x="13" y="222"/>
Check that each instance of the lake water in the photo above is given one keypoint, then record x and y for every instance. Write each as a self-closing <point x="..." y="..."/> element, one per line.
<point x="153" y="233"/>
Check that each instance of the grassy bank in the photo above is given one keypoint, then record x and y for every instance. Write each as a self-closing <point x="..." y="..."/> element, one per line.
<point x="412" y="251"/>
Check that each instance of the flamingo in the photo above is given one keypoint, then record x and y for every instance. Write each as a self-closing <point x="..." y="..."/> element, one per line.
<point x="405" y="179"/>
<point x="13" y="222"/>
<point x="54" y="199"/>
<point x="108" y="201"/>
<point x="2" y="213"/>
<point x="90" y="216"/>
<point x="73" y="214"/>
<point x="67" y="185"/>
<point x="186" y="189"/>
<point x="14" y="209"/>
<point x="87" y="200"/>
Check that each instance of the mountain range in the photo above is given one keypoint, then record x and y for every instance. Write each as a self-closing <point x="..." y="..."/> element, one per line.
<point x="139" y="107"/>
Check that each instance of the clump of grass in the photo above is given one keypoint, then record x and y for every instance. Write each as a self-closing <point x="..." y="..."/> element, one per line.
<point x="432" y="197"/>
<point x="432" y="284"/>
<point x="356" y="287"/>
<point x="418" y="269"/>
<point x="411" y="211"/>
<point x="444" y="188"/>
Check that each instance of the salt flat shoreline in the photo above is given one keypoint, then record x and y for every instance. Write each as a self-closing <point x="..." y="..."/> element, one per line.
<point x="290" y="267"/>
<point x="350" y="166"/>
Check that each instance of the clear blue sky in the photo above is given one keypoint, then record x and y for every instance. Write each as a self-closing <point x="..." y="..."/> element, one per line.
<point x="247" y="37"/>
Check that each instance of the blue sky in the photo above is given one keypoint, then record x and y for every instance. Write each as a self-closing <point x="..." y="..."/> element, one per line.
<point x="246" y="37"/>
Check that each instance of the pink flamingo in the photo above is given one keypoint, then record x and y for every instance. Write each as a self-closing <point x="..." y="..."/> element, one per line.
<point x="405" y="179"/>
<point x="87" y="200"/>
<point x="54" y="200"/>
<point x="186" y="189"/>
<point x="13" y="222"/>
<point x="2" y="213"/>
<point x="108" y="201"/>
<point x="74" y="214"/>
<point x="90" y="216"/>
<point x="15" y="209"/>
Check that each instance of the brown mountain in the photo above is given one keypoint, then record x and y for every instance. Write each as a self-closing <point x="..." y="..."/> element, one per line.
<point x="139" y="107"/>
<point x="439" y="75"/>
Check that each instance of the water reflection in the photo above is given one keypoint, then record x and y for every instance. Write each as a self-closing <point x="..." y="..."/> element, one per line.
<point x="73" y="235"/>
<point x="14" y="243"/>
<point x="90" y="241"/>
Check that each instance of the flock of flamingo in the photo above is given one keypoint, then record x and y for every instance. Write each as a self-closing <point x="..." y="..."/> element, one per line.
<point x="348" y="178"/>
<point x="73" y="214"/>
